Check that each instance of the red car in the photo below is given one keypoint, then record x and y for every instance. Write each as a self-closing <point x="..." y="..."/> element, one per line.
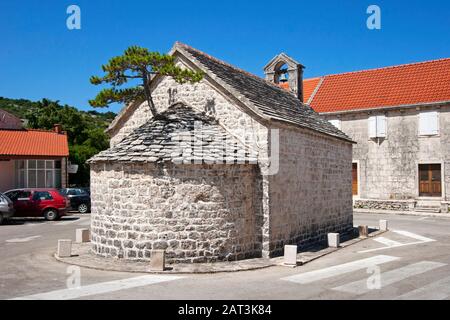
<point x="48" y="203"/>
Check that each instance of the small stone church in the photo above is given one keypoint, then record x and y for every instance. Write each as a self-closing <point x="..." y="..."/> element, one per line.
<point x="237" y="168"/>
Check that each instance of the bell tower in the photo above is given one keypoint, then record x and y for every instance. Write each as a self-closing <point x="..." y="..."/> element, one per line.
<point x="287" y="73"/>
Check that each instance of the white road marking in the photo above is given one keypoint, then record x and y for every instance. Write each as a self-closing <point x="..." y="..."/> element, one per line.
<point x="408" y="234"/>
<point x="71" y="221"/>
<point x="390" y="277"/>
<point x="20" y="240"/>
<point x="100" y="288"/>
<point x="413" y="235"/>
<point x="438" y="290"/>
<point x="398" y="246"/>
<point x="325" y="273"/>
<point x="386" y="241"/>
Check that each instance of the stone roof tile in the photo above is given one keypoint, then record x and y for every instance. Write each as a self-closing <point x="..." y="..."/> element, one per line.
<point x="179" y="135"/>
<point x="271" y="100"/>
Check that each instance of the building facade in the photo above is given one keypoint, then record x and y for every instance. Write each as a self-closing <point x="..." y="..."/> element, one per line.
<point x="31" y="158"/>
<point x="285" y="177"/>
<point x="399" y="116"/>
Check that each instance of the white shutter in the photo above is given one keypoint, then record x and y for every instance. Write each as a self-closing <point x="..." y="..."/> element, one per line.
<point x="428" y="123"/>
<point x="336" y="123"/>
<point x="372" y="124"/>
<point x="381" y="126"/>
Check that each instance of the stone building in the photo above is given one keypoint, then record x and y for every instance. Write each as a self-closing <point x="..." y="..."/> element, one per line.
<point x="400" y="118"/>
<point x="236" y="168"/>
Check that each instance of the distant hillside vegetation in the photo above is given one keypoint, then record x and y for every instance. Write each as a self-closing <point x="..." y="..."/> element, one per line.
<point x="20" y="108"/>
<point x="85" y="129"/>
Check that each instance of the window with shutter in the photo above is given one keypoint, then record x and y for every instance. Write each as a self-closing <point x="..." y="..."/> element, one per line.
<point x="336" y="123"/>
<point x="372" y="127"/>
<point x="377" y="126"/>
<point x="428" y="123"/>
<point x="381" y="126"/>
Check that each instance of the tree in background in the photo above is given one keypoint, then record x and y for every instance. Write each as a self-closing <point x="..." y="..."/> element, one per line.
<point x="85" y="132"/>
<point x="137" y="65"/>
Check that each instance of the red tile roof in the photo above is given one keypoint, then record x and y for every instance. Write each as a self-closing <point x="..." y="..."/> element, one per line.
<point x="409" y="84"/>
<point x="309" y="85"/>
<point x="33" y="143"/>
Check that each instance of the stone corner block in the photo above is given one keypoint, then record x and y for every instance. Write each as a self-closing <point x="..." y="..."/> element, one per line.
<point x="383" y="225"/>
<point x="82" y="235"/>
<point x="445" y="207"/>
<point x="334" y="240"/>
<point x="64" y="248"/>
<point x="290" y="255"/>
<point x="158" y="260"/>
<point x="363" y="231"/>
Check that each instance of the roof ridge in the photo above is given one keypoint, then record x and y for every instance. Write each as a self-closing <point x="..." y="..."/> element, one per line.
<point x="230" y="65"/>
<point x="380" y="68"/>
<point x="44" y="130"/>
<point x="316" y="89"/>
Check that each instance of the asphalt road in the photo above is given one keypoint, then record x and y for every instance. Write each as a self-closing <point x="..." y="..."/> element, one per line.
<point x="412" y="261"/>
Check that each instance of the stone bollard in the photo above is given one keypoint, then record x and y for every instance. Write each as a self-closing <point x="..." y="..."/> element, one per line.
<point x="333" y="240"/>
<point x="290" y="256"/>
<point x="82" y="235"/>
<point x="383" y="225"/>
<point x="363" y="231"/>
<point x="158" y="260"/>
<point x="64" y="248"/>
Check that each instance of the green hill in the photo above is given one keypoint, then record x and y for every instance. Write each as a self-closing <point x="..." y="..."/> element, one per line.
<point x="21" y="108"/>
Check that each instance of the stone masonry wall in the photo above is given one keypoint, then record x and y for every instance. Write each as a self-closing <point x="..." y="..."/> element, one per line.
<point x="199" y="213"/>
<point x="388" y="168"/>
<point x="394" y="205"/>
<point x="311" y="194"/>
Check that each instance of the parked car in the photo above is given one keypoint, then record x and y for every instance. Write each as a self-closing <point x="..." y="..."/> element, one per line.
<point x="49" y="203"/>
<point x="6" y="208"/>
<point x="80" y="199"/>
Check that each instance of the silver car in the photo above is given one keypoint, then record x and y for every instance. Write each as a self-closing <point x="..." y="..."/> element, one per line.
<point x="6" y="208"/>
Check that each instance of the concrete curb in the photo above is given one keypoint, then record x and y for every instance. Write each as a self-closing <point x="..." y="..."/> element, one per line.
<point x="82" y="257"/>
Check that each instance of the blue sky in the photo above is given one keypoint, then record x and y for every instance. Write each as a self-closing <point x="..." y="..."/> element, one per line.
<point x="40" y="57"/>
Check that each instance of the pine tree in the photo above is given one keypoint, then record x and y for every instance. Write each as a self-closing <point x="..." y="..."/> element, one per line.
<point x="139" y="64"/>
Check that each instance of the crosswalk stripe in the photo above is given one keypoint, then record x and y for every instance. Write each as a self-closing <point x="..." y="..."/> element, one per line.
<point x="390" y="277"/>
<point x="329" y="272"/>
<point x="386" y="241"/>
<point x="438" y="290"/>
<point x="99" y="288"/>
<point x="413" y="235"/>
<point x="421" y="239"/>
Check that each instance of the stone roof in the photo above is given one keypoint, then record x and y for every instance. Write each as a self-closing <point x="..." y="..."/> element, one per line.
<point x="268" y="99"/>
<point x="179" y="135"/>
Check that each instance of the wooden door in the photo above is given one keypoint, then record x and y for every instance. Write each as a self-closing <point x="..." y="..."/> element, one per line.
<point x="355" y="179"/>
<point x="430" y="180"/>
